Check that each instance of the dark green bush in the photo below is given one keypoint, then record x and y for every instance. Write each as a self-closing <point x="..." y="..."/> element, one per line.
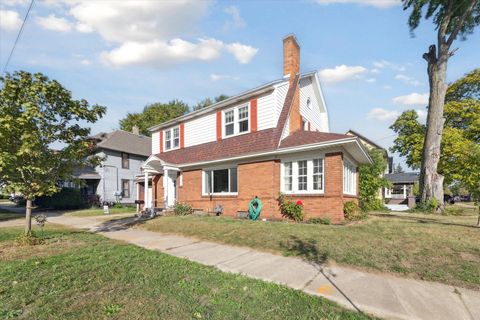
<point x="67" y="198"/>
<point x="320" y="220"/>
<point x="182" y="209"/>
<point x="352" y="211"/>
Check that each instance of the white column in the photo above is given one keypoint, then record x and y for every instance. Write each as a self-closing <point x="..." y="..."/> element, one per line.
<point x="137" y="186"/>
<point x="405" y="191"/>
<point x="145" y="191"/>
<point x="165" y="188"/>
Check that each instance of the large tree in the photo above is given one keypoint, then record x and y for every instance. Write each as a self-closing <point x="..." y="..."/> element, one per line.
<point x="36" y="113"/>
<point x="153" y="114"/>
<point x="461" y="132"/>
<point x="452" y="18"/>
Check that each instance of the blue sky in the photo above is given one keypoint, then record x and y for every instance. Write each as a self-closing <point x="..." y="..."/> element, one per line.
<point x="125" y="55"/>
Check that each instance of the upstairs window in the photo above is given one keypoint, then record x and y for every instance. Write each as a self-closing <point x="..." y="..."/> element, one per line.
<point x="172" y="138"/>
<point x="125" y="161"/>
<point x="229" y="122"/>
<point x="236" y="121"/>
<point x="176" y="138"/>
<point x="243" y="119"/>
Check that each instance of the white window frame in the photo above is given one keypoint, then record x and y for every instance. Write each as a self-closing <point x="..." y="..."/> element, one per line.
<point x="349" y="177"/>
<point x="294" y="162"/>
<point x="172" y="139"/>
<point x="285" y="176"/>
<point x="236" y="121"/>
<point x="229" y="168"/>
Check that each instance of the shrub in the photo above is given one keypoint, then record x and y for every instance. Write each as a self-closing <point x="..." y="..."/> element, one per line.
<point x="291" y="209"/>
<point x="182" y="209"/>
<point x="29" y="239"/>
<point x="67" y="198"/>
<point x="427" y="206"/>
<point x="320" y="220"/>
<point x="117" y="205"/>
<point x="352" y="211"/>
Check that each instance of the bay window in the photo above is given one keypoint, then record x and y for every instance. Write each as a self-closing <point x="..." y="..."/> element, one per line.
<point x="303" y="176"/>
<point x="220" y="181"/>
<point x="236" y="121"/>
<point x="349" y="178"/>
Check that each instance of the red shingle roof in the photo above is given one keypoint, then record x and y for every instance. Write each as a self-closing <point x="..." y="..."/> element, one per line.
<point x="301" y="137"/>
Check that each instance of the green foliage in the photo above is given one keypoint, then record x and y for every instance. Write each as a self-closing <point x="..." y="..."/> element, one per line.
<point x="352" y="212"/>
<point x="153" y="114"/>
<point x="112" y="309"/>
<point x="290" y="209"/>
<point x="207" y="102"/>
<point x="460" y="135"/>
<point x="372" y="180"/>
<point x="430" y="206"/>
<point x="117" y="205"/>
<point x="35" y="113"/>
<point x="182" y="209"/>
<point x="320" y="220"/>
<point x="459" y="17"/>
<point x="67" y="198"/>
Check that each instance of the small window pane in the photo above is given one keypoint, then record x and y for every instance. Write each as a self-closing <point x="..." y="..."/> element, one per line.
<point x="243" y="113"/>
<point x="302" y="175"/>
<point x="229" y="129"/>
<point x="243" y="119"/>
<point x="243" y="126"/>
<point x="220" y="180"/>
<point x="288" y="178"/>
<point x="229" y="118"/>
<point x="233" y="180"/>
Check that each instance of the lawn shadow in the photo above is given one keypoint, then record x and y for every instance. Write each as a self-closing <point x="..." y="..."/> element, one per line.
<point x="422" y="220"/>
<point x="119" y="224"/>
<point x="309" y="251"/>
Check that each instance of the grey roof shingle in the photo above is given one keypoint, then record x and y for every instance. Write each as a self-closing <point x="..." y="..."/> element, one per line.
<point x="124" y="141"/>
<point x="406" y="177"/>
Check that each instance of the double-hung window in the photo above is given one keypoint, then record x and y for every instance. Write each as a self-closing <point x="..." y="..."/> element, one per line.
<point x="349" y="178"/>
<point x="236" y="121"/>
<point x="220" y="181"/>
<point x="172" y="138"/>
<point x="303" y="176"/>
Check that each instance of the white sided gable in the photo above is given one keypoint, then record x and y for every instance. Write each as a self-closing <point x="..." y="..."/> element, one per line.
<point x="312" y="105"/>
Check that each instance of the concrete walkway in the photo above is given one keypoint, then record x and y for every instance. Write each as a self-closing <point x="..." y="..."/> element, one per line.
<point x="381" y="295"/>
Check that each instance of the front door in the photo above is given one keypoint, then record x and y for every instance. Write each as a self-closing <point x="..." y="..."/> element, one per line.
<point x="171" y="188"/>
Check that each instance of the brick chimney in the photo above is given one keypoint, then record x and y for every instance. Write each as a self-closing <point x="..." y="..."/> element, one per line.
<point x="291" y="56"/>
<point x="291" y="67"/>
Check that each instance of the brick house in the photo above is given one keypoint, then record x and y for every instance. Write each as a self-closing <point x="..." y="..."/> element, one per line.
<point x="270" y="139"/>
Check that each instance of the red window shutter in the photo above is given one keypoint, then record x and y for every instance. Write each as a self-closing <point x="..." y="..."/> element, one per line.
<point x="219" y="125"/>
<point x="161" y="141"/>
<point x="253" y="115"/>
<point x="182" y="136"/>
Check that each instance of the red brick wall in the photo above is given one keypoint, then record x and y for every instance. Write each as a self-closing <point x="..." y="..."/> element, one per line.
<point x="262" y="179"/>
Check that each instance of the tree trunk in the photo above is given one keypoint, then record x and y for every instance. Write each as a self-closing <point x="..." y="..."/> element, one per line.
<point x="28" y="217"/>
<point x="478" y="221"/>
<point x="431" y="183"/>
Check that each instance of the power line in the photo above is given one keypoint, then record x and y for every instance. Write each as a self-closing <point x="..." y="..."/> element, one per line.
<point x="18" y="36"/>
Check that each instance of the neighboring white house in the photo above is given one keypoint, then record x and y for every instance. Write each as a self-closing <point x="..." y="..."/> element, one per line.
<point x="123" y="154"/>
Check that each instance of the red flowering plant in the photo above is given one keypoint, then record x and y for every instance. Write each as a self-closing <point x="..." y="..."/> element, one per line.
<point x="290" y="209"/>
<point x="300" y="202"/>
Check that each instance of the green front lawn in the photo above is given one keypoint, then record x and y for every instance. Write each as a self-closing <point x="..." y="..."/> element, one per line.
<point x="77" y="275"/>
<point x="99" y="212"/>
<point x="437" y="248"/>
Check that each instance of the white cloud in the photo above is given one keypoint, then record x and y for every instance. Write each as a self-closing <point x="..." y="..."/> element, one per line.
<point x="217" y="77"/>
<point x="236" y="22"/>
<point x="155" y="33"/>
<point x="408" y="80"/>
<point x="341" y="73"/>
<point x="10" y="20"/>
<point x="163" y="54"/>
<point x="243" y="53"/>
<point x="382" y="114"/>
<point x="371" y="80"/>
<point x="374" y="3"/>
<point x="15" y="2"/>
<point x="86" y="62"/>
<point x="381" y="64"/>
<point x="422" y="115"/>
<point x="387" y="87"/>
<point x="54" y="23"/>
<point x="412" y="99"/>
<point x="375" y="70"/>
